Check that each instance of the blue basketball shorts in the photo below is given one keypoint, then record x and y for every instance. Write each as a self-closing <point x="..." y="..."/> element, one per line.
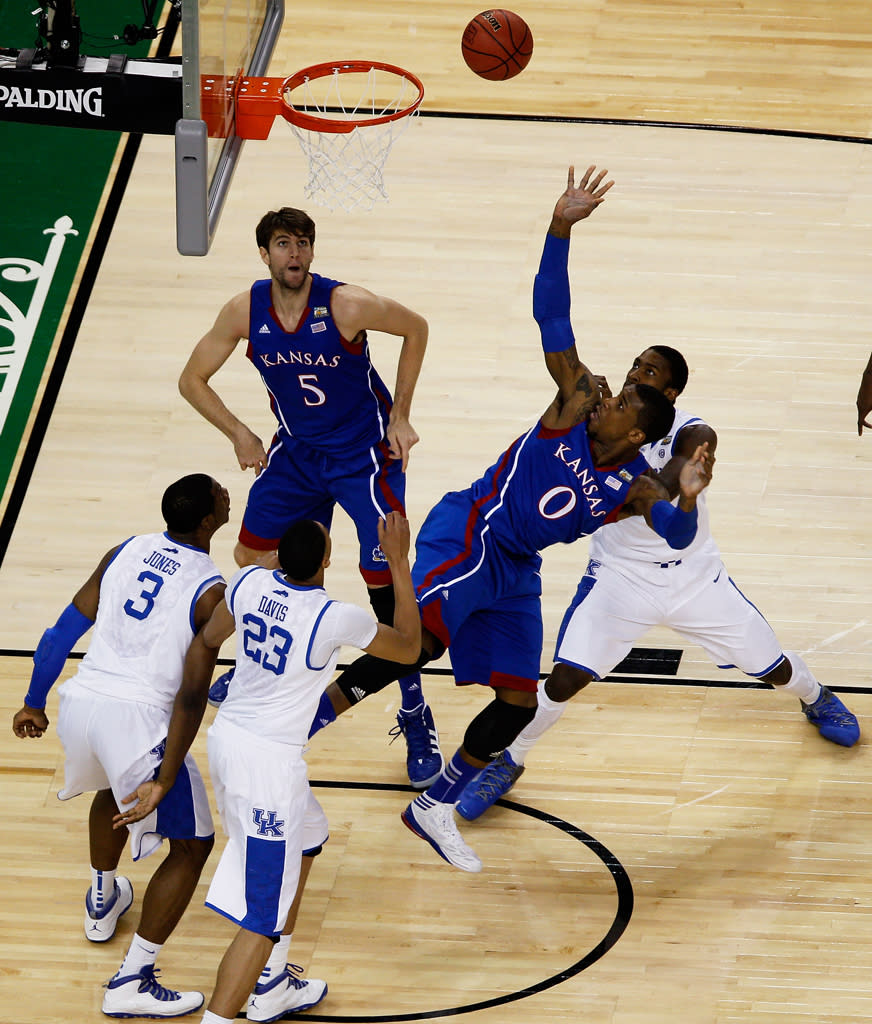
<point x="301" y="482"/>
<point x="481" y="601"/>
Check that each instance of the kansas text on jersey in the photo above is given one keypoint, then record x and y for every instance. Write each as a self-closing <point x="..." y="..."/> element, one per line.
<point x="545" y="489"/>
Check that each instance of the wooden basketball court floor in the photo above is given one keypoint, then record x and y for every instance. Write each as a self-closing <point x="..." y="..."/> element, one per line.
<point x="681" y="848"/>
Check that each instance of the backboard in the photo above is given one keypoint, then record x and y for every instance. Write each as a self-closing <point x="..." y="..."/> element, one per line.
<point x="222" y="41"/>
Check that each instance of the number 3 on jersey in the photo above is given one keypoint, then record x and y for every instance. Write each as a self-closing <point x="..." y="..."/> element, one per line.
<point x="267" y="646"/>
<point x="147" y="595"/>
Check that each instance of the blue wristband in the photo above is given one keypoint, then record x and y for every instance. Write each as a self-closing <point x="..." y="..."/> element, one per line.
<point x="52" y="652"/>
<point x="676" y="527"/>
<point x="551" y="288"/>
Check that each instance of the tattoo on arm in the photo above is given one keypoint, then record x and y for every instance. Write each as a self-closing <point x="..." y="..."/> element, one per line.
<point x="586" y="387"/>
<point x="585" y="384"/>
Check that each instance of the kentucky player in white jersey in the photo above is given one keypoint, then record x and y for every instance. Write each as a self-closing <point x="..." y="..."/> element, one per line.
<point x="147" y="599"/>
<point x="341" y="438"/>
<point x="288" y="637"/>
<point x="634" y="582"/>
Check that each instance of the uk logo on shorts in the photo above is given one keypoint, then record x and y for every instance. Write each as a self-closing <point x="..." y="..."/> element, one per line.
<point x="268" y="824"/>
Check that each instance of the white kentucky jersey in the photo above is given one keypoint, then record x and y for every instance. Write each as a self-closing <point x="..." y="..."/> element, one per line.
<point x="288" y="639"/>
<point x="632" y="539"/>
<point x="145" y="619"/>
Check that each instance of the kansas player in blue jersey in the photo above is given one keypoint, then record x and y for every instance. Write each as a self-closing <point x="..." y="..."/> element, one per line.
<point x="633" y="583"/>
<point x="341" y="438"/>
<point x="477" y="563"/>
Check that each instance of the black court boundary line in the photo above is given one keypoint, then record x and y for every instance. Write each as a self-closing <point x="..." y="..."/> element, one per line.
<point x="651" y="680"/>
<point x="623" y="913"/>
<point x="640" y="123"/>
<point x="77" y="314"/>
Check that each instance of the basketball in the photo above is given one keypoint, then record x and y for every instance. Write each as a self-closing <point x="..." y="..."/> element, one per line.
<point x="497" y="45"/>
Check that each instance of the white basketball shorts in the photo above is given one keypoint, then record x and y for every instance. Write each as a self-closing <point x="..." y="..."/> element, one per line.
<point x="271" y="818"/>
<point x="117" y="744"/>
<point x="617" y="604"/>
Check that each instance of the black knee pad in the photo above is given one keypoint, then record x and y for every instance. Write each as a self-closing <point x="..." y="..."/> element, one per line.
<point x="369" y="675"/>
<point x="494" y="728"/>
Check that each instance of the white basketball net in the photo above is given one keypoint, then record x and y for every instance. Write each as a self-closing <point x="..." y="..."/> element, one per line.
<point x="345" y="169"/>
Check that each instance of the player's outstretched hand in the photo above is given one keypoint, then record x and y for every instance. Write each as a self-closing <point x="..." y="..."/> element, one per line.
<point x="394" y="537"/>
<point x="579" y="201"/>
<point x="147" y="796"/>
<point x="696" y="473"/>
<point x="29" y="723"/>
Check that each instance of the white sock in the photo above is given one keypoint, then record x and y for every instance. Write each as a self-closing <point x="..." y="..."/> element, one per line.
<point x="141" y="954"/>
<point x="802" y="683"/>
<point x="102" y="888"/>
<point x="278" y="959"/>
<point x="213" y="1018"/>
<point x="546" y="715"/>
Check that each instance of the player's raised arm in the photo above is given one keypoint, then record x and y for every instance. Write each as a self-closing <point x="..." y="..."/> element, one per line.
<point x="578" y="390"/>
<point x="402" y="641"/>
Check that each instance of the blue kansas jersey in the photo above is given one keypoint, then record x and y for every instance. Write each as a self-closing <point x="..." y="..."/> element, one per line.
<point x="546" y="490"/>
<point x="323" y="389"/>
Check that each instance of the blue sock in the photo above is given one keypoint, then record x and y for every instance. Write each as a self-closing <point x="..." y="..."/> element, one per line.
<point x="451" y="783"/>
<point x="411" y="692"/>
<point x="323" y="716"/>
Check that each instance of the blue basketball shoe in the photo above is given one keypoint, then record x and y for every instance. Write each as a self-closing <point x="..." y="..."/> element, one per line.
<point x="423" y="757"/>
<point x="833" y="720"/>
<point x="219" y="689"/>
<point x="488" y="786"/>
